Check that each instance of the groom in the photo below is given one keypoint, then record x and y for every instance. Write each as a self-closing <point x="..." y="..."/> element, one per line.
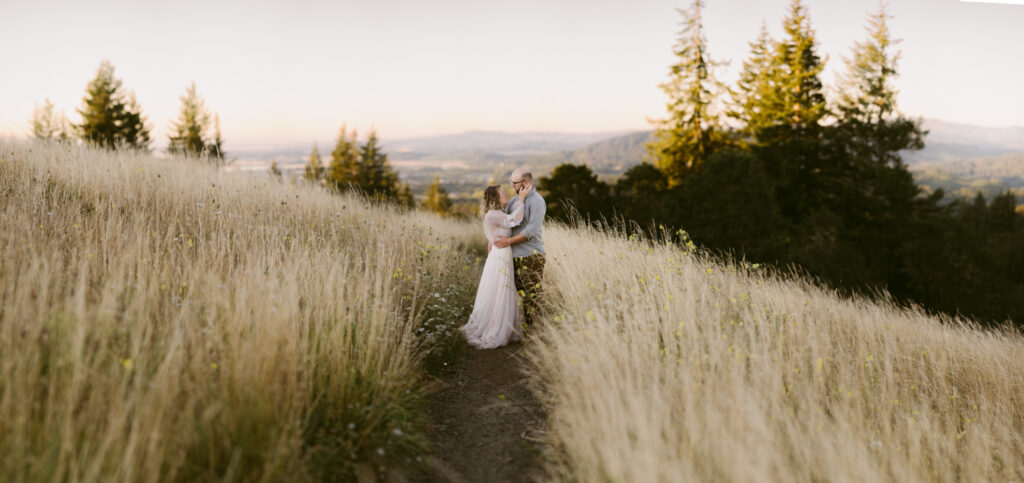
<point x="527" y="244"/>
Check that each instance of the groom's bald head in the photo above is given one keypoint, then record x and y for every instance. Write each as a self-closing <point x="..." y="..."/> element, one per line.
<point x="521" y="174"/>
<point x="520" y="177"/>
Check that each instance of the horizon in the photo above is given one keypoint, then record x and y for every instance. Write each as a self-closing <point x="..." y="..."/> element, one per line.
<point x="581" y="69"/>
<point x="611" y="134"/>
<point x="257" y="147"/>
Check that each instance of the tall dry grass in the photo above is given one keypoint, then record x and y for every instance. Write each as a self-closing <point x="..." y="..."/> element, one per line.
<point x="161" y="320"/>
<point x="659" y="364"/>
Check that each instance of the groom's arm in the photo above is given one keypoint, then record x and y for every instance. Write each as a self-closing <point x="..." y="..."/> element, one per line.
<point x="502" y="242"/>
<point x="532" y="226"/>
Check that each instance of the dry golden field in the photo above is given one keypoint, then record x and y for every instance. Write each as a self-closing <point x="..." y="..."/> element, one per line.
<point x="661" y="365"/>
<point x="164" y="321"/>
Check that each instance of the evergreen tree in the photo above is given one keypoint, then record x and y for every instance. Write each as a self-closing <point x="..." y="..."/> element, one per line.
<point x="692" y="131"/>
<point x="797" y="99"/>
<point x="866" y="92"/>
<point x="787" y="134"/>
<point x="365" y="167"/>
<point x="779" y="95"/>
<point x="751" y="101"/>
<point x="873" y="129"/>
<point x="314" y="170"/>
<point x="876" y="195"/>
<point x="436" y="198"/>
<point x="189" y="135"/>
<point x="1002" y="216"/>
<point x="47" y="124"/>
<point x="110" y="117"/>
<point x="574" y="187"/>
<point x="133" y="123"/>
<point x="639" y="191"/>
<point x="375" y="176"/>
<point x="729" y="206"/>
<point x="404" y="196"/>
<point x="344" y="168"/>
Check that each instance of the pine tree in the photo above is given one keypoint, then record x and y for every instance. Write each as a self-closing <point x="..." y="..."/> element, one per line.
<point x="639" y="191"/>
<point x="796" y="100"/>
<point x="873" y="127"/>
<point x="575" y="188"/>
<point x="110" y="117"/>
<point x="404" y="197"/>
<point x="344" y="167"/>
<point x="188" y="135"/>
<point x="314" y="170"/>
<point x="136" y="132"/>
<point x="866" y="92"/>
<point x="692" y="131"/>
<point x="365" y="167"/>
<point x="436" y="198"/>
<point x="779" y="95"/>
<point x="375" y="176"/>
<point x="874" y="192"/>
<point x="786" y="127"/>
<point x="47" y="124"/>
<point x="104" y="99"/>
<point x="751" y="100"/>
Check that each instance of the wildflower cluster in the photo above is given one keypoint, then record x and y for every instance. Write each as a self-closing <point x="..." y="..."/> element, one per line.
<point x="685" y="242"/>
<point x="445" y="311"/>
<point x="445" y="282"/>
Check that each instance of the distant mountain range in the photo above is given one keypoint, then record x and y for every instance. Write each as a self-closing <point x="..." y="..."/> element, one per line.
<point x="988" y="140"/>
<point x="963" y="151"/>
<point x="960" y="150"/>
<point x="498" y="143"/>
<point x="479" y="149"/>
<point x="991" y="151"/>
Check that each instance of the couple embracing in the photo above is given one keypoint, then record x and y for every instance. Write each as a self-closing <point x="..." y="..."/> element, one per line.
<point x="515" y="264"/>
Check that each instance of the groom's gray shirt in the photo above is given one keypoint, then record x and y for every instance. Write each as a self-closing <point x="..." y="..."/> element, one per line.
<point x="532" y="226"/>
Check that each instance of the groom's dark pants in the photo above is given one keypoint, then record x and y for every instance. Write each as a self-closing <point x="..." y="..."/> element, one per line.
<point x="529" y="271"/>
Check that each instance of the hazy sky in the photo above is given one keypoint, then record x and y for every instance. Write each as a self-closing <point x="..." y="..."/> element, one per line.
<point x="295" y="71"/>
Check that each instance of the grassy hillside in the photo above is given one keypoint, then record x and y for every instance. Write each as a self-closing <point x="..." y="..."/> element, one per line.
<point x="163" y="321"/>
<point x="660" y="365"/>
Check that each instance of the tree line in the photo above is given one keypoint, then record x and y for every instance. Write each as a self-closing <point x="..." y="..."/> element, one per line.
<point x="770" y="169"/>
<point x="355" y="166"/>
<point x="364" y="167"/>
<point x="112" y="118"/>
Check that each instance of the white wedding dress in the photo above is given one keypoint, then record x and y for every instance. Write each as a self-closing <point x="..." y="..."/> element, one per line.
<point x="495" y="319"/>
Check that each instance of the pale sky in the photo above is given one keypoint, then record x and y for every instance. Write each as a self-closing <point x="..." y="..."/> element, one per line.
<point x="292" y="72"/>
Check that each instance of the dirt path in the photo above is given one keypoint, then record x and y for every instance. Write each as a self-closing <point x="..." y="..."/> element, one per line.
<point x="486" y="423"/>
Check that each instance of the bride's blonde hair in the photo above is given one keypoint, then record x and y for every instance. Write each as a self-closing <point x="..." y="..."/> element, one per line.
<point x="492" y="200"/>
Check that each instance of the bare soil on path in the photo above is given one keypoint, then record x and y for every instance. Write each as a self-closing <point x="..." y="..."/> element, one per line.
<point x="486" y="423"/>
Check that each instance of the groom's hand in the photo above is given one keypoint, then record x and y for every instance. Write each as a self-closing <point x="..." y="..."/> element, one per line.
<point x="502" y="241"/>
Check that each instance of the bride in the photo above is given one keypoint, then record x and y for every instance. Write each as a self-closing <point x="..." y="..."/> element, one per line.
<point x="495" y="319"/>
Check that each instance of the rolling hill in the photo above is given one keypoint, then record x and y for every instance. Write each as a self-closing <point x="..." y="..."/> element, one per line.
<point x="165" y="321"/>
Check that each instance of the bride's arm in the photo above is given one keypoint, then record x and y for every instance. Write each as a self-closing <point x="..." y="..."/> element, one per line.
<point x="499" y="219"/>
<point x="514" y="218"/>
